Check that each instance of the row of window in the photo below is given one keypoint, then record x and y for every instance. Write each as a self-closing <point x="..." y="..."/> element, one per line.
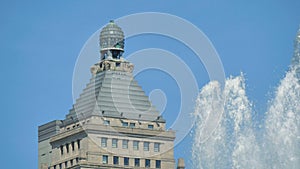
<point x="59" y="166"/>
<point x="68" y="148"/>
<point x="137" y="163"/>
<point x="135" y="144"/>
<point x="126" y="124"/>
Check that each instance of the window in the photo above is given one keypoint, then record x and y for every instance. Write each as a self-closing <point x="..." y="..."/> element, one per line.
<point x="150" y="126"/>
<point x="146" y="146"/>
<point x="73" y="145"/>
<point x="71" y="162"/>
<point x="60" y="166"/>
<point x="66" y="164"/>
<point x="116" y="160"/>
<point x="61" y="150"/>
<point x="132" y="125"/>
<point x="104" y="159"/>
<point x="103" y="142"/>
<point x="157" y="164"/>
<point x="114" y="143"/>
<point x="156" y="147"/>
<point x="125" y="144"/>
<point x="67" y="146"/>
<point x="106" y="122"/>
<point x="135" y="145"/>
<point x="78" y="144"/>
<point x="136" y="162"/>
<point x="125" y="124"/>
<point x="147" y="163"/>
<point x="54" y="166"/>
<point x="126" y="161"/>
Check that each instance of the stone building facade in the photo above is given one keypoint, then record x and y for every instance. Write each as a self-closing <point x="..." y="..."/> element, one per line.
<point x="112" y="124"/>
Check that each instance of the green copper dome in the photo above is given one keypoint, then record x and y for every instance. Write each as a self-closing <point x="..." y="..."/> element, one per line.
<point x="112" y="37"/>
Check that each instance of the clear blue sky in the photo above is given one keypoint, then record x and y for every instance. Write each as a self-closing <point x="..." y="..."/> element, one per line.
<point x="40" y="41"/>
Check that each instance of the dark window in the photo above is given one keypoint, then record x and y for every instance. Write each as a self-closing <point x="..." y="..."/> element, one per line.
<point x="78" y="144"/>
<point x="156" y="147"/>
<point x="54" y="167"/>
<point x="150" y="126"/>
<point x="114" y="143"/>
<point x="147" y="163"/>
<point x="106" y="122"/>
<point x="116" y="160"/>
<point x="136" y="162"/>
<point x="66" y="164"/>
<point x="103" y="142"/>
<point x="126" y="161"/>
<point x="104" y="159"/>
<point x="71" y="162"/>
<point x="146" y="146"/>
<point x="67" y="146"/>
<point x="157" y="164"/>
<point x="135" y="145"/>
<point x="125" y="124"/>
<point x="73" y="145"/>
<point x="125" y="144"/>
<point x="117" y="64"/>
<point x="61" y="150"/>
<point x="60" y="166"/>
<point x="132" y="125"/>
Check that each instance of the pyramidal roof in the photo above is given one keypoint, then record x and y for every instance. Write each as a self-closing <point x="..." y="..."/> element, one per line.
<point x="114" y="94"/>
<point x="112" y="90"/>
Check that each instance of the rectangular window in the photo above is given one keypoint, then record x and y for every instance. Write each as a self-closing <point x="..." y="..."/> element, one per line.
<point x="146" y="146"/>
<point x="126" y="161"/>
<point x="136" y="162"/>
<point x="78" y="144"/>
<point x="71" y="161"/>
<point x="150" y="126"/>
<point x="125" y="144"/>
<point x="103" y="142"/>
<point x="106" y="122"/>
<point x="67" y="146"/>
<point x="132" y="125"/>
<point x="147" y="163"/>
<point x="157" y="164"/>
<point x="135" y="145"/>
<point x="60" y="166"/>
<point x="73" y="145"/>
<point x="66" y="164"/>
<point x="114" y="143"/>
<point x="61" y="150"/>
<point x="125" y="124"/>
<point x="156" y="147"/>
<point x="116" y="160"/>
<point x="104" y="159"/>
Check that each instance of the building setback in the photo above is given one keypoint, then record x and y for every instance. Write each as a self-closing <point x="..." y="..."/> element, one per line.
<point x="112" y="124"/>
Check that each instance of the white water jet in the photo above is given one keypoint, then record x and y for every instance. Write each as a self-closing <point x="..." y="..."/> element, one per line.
<point x="232" y="143"/>
<point x="224" y="135"/>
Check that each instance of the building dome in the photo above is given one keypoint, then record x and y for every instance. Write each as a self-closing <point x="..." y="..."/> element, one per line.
<point x="111" y="37"/>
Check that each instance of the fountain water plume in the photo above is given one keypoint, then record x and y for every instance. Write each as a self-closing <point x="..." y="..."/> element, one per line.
<point x="232" y="142"/>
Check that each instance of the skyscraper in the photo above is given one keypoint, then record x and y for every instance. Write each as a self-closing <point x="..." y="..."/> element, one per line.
<point x="112" y="124"/>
